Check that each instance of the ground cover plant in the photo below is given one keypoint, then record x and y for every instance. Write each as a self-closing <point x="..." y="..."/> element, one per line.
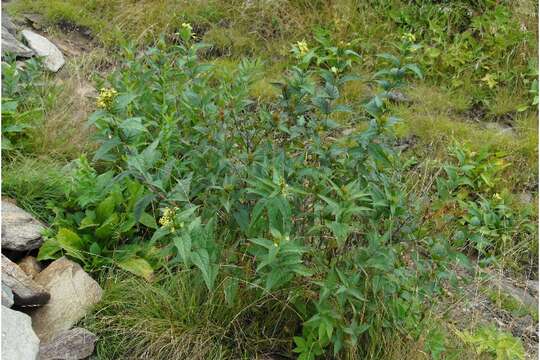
<point x="290" y="207"/>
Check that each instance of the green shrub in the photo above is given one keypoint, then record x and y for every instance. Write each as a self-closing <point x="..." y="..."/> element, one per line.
<point x="264" y="194"/>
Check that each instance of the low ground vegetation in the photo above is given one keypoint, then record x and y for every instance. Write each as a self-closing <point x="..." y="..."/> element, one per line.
<point x="238" y="208"/>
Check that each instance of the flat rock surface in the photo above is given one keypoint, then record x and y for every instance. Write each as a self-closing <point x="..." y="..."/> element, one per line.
<point x="25" y="290"/>
<point x="7" y="296"/>
<point x="10" y="44"/>
<point x="20" y="230"/>
<point x="53" y="58"/>
<point x="19" y="342"/>
<point x="73" y="293"/>
<point x="8" y="24"/>
<point x="77" y="343"/>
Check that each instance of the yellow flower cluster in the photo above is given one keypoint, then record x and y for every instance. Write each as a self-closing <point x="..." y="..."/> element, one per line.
<point x="106" y="97"/>
<point x="187" y="27"/>
<point x="409" y="37"/>
<point x="168" y="217"/>
<point x="302" y="47"/>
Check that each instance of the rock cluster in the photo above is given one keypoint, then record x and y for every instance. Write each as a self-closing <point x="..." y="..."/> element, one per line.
<point x="41" y="306"/>
<point x="28" y="44"/>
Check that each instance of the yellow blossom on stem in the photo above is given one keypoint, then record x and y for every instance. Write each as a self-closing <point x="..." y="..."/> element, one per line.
<point x="106" y="97"/>
<point x="302" y="47"/>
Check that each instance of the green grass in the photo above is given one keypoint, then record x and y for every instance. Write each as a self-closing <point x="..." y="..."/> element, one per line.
<point x="34" y="182"/>
<point x="176" y="318"/>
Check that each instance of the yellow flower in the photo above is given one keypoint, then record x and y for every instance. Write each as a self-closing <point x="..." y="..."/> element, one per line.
<point x="106" y="97"/>
<point x="302" y="47"/>
<point x="489" y="79"/>
<point x="497" y="196"/>
<point x="409" y="37"/>
<point x="187" y="27"/>
<point x="168" y="217"/>
<point x="334" y="70"/>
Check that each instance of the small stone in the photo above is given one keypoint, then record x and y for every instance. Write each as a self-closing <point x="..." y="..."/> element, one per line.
<point x="7" y="296"/>
<point x="53" y="58"/>
<point x="30" y="266"/>
<point x="20" y="231"/>
<point x="525" y="197"/>
<point x="13" y="46"/>
<point x="73" y="294"/>
<point x="500" y="128"/>
<point x="532" y="286"/>
<point x="26" y="292"/>
<point x="77" y="343"/>
<point x="397" y="97"/>
<point x="35" y="20"/>
<point x="19" y="342"/>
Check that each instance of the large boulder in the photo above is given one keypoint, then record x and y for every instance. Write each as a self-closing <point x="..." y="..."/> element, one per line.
<point x="73" y="294"/>
<point x="74" y="344"/>
<point x="52" y="56"/>
<point x="11" y="45"/>
<point x="20" y="231"/>
<point x="25" y="290"/>
<point x="19" y="342"/>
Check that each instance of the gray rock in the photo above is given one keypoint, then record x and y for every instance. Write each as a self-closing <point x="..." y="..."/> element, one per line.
<point x="26" y="292"/>
<point x="19" y="342"/>
<point x="73" y="294"/>
<point x="532" y="286"/>
<point x="11" y="45"/>
<point x="520" y="295"/>
<point x="397" y="97"/>
<point x="7" y="296"/>
<point x="500" y="128"/>
<point x="77" y="343"/>
<point x="30" y="266"/>
<point x="8" y="24"/>
<point x="525" y="197"/>
<point x="35" y="20"/>
<point x="53" y="58"/>
<point x="20" y="231"/>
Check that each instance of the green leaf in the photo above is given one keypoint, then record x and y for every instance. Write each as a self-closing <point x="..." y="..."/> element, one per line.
<point x="201" y="260"/>
<point x="415" y="70"/>
<point x="148" y="221"/>
<point x="141" y="205"/>
<point x="137" y="266"/>
<point x="70" y="242"/>
<point x="105" y="209"/>
<point x="132" y="126"/>
<point x="48" y="250"/>
<point x="105" y="148"/>
<point x="105" y="231"/>
<point x="183" y="245"/>
<point x="123" y="101"/>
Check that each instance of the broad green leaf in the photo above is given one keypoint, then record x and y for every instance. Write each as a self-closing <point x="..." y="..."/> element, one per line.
<point x="70" y="242"/>
<point x="137" y="266"/>
<point x="201" y="260"/>
<point x="48" y="250"/>
<point x="148" y="220"/>
<point x="105" y="209"/>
